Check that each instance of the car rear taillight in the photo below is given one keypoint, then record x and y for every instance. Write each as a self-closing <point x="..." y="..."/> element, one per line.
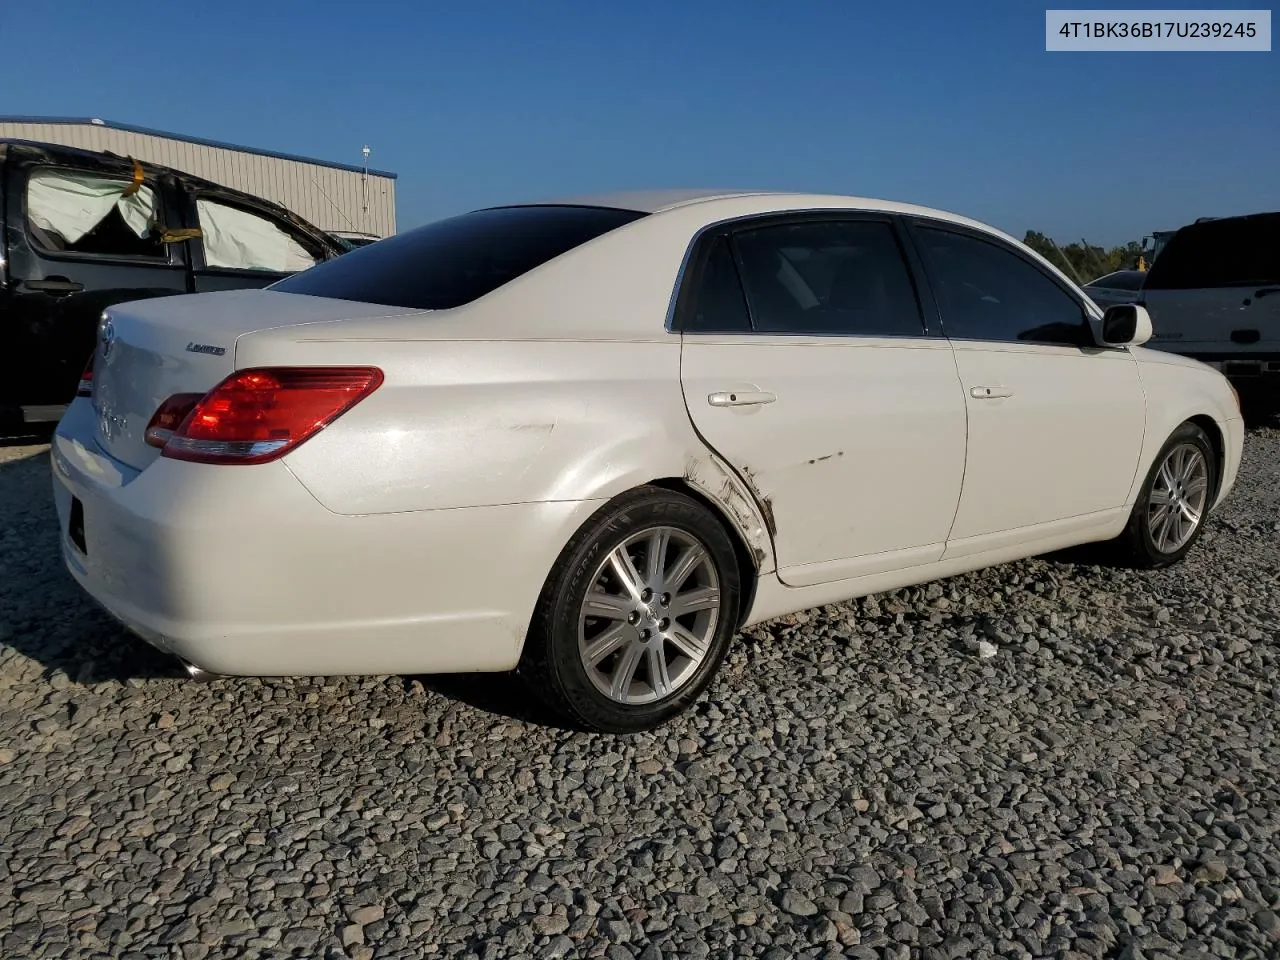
<point x="258" y="415"/>
<point x="85" y="389"/>
<point x="167" y="419"/>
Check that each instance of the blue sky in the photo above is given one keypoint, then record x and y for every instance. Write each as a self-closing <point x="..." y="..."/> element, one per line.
<point x="955" y="105"/>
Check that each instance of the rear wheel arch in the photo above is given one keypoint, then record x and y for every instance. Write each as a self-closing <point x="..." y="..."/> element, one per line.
<point x="552" y="658"/>
<point x="749" y="560"/>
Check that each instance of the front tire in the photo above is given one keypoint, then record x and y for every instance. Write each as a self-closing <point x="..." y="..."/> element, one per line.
<point x="636" y="615"/>
<point x="1168" y="517"/>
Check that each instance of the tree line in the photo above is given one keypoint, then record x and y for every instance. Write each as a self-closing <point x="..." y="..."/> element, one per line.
<point x="1084" y="261"/>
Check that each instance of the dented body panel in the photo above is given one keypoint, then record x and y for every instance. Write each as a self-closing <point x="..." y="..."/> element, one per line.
<point x="751" y="514"/>
<point x="457" y="424"/>
<point x="858" y="461"/>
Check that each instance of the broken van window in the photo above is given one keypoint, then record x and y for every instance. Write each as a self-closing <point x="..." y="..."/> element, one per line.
<point x="237" y="239"/>
<point x="73" y="212"/>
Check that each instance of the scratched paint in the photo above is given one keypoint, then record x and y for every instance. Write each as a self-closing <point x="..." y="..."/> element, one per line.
<point x="838" y="453"/>
<point x="766" y="504"/>
<point x="752" y="518"/>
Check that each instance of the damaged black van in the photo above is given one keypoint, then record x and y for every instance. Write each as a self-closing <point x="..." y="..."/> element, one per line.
<point x="84" y="230"/>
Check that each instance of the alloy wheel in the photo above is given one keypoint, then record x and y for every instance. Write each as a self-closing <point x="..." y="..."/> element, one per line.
<point x="649" y="616"/>
<point x="1178" y="497"/>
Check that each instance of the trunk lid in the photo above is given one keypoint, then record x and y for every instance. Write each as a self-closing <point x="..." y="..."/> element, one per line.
<point x="149" y="350"/>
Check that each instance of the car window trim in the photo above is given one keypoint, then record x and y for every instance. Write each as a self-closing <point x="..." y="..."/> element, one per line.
<point x="537" y="255"/>
<point x="701" y="257"/>
<point x="690" y="273"/>
<point x="917" y="222"/>
<point x="37" y="249"/>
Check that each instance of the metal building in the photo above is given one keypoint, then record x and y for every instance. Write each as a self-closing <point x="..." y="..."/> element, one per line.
<point x="334" y="196"/>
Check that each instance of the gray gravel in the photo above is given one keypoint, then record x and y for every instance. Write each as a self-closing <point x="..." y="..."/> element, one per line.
<point x="1098" y="780"/>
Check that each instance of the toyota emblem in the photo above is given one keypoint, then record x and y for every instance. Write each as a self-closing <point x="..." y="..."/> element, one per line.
<point x="108" y="338"/>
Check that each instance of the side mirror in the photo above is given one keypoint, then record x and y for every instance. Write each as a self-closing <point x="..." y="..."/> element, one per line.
<point x="1126" y="325"/>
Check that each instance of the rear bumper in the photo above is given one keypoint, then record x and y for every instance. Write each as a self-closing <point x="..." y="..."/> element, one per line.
<point x="239" y="570"/>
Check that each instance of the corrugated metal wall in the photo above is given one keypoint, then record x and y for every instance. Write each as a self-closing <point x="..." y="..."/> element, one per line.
<point x="331" y="198"/>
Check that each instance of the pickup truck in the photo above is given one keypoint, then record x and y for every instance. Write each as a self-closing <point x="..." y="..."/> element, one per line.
<point x="83" y="230"/>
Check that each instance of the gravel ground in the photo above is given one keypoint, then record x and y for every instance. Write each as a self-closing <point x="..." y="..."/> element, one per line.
<point x="866" y="781"/>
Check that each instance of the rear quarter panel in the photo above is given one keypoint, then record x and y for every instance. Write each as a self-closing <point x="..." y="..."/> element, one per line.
<point x="474" y="423"/>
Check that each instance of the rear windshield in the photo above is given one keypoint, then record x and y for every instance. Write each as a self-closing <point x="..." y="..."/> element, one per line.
<point x="452" y="262"/>
<point x="1236" y="252"/>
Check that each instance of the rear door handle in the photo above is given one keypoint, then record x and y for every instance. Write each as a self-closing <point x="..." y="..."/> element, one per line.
<point x="990" y="393"/>
<point x="740" y="398"/>
<point x="54" y="285"/>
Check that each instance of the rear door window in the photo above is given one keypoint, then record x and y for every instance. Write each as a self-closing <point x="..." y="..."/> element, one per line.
<point x="718" y="305"/>
<point x="1236" y="252"/>
<point x="72" y="212"/>
<point x="828" y="278"/>
<point x="455" y="261"/>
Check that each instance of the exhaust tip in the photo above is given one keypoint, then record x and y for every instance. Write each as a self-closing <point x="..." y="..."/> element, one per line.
<point x="196" y="673"/>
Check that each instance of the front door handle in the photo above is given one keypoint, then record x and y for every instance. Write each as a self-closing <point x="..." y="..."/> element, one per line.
<point x="740" y="398"/>
<point x="54" y="285"/>
<point x="990" y="393"/>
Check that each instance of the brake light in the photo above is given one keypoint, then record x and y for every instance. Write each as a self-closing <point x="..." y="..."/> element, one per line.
<point x="85" y="388"/>
<point x="260" y="414"/>
<point x="166" y="420"/>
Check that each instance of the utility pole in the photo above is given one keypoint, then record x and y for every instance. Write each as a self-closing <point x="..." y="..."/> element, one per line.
<point x="364" y="184"/>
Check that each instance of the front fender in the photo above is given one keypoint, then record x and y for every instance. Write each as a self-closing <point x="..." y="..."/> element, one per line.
<point x="1177" y="391"/>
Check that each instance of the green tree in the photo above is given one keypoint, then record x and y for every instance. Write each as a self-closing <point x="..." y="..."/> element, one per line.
<point x="1081" y="259"/>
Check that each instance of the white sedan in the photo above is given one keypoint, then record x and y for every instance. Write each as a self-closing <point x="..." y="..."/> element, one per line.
<point x="590" y="441"/>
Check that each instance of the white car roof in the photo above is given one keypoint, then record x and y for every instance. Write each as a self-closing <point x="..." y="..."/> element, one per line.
<point x="621" y="285"/>
<point x="656" y="200"/>
<point x="661" y="200"/>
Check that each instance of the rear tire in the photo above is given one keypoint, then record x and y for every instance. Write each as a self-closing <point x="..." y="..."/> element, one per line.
<point x="1173" y="504"/>
<point x="636" y="615"/>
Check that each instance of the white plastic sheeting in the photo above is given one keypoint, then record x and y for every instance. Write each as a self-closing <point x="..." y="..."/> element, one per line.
<point x="70" y="204"/>
<point x="238" y="240"/>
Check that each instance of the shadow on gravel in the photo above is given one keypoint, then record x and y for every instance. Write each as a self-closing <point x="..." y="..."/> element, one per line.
<point x="44" y="615"/>
<point x="1260" y="406"/>
<point x="1255" y="419"/>
<point x="1085" y="555"/>
<point x="1100" y="554"/>
<point x="502" y="694"/>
